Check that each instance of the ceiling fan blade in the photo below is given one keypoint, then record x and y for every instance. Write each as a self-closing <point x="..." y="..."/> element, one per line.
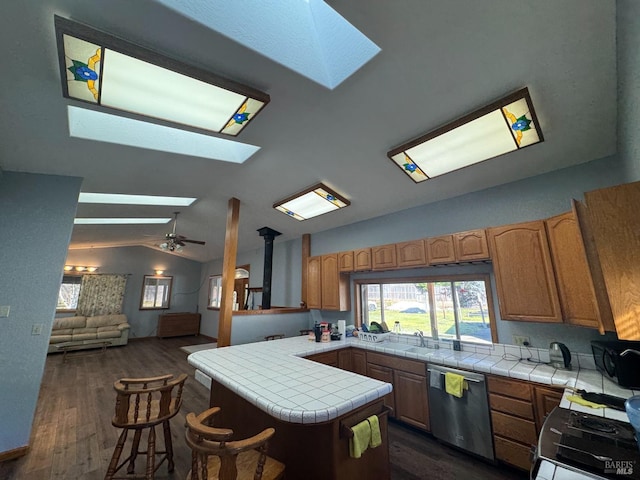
<point x="199" y="242"/>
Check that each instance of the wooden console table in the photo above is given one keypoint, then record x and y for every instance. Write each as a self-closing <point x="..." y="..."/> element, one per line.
<point x="178" y="324"/>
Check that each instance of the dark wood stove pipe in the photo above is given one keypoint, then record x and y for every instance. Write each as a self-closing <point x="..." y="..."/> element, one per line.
<point x="268" y="234"/>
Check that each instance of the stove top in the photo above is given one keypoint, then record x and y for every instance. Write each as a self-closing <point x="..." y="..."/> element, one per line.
<point x="607" y="449"/>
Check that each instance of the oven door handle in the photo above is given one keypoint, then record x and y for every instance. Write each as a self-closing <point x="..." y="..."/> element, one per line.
<point x="600" y="458"/>
<point x="629" y="350"/>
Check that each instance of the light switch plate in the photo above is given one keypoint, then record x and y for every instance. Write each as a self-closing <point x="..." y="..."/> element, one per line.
<point x="37" y="329"/>
<point x="4" y="311"/>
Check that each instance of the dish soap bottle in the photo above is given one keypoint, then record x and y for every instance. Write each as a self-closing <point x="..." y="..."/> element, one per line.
<point x="396" y="332"/>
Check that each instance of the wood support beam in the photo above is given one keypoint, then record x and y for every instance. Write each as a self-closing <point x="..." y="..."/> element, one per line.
<point x="228" y="272"/>
<point x="306" y="253"/>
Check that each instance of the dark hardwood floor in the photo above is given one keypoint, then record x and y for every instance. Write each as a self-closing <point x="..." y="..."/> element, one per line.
<point x="72" y="435"/>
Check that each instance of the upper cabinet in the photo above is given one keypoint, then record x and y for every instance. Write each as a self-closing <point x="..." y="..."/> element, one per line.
<point x="573" y="275"/>
<point x="384" y="257"/>
<point x="411" y="254"/>
<point x="362" y="260"/>
<point x="345" y="261"/>
<point x="615" y="225"/>
<point x="440" y="250"/>
<point x="471" y="246"/>
<point x="327" y="289"/>
<point x="524" y="272"/>
<point x="314" y="282"/>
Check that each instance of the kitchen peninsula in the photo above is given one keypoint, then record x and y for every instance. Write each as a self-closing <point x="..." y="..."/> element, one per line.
<point x="312" y="406"/>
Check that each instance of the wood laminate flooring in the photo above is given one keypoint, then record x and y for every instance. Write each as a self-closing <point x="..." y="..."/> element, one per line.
<point x="72" y="436"/>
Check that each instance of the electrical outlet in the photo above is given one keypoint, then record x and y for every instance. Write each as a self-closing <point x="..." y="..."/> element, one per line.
<point x="521" y="340"/>
<point x="36" y="329"/>
<point x="4" y="311"/>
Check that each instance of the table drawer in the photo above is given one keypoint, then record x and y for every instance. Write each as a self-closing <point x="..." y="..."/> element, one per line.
<point x="513" y="453"/>
<point x="512" y="406"/>
<point x="514" y="428"/>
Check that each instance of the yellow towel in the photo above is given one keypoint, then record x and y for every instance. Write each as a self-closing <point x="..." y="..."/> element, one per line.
<point x="454" y="384"/>
<point x="376" y="438"/>
<point x="360" y="440"/>
<point x="582" y="401"/>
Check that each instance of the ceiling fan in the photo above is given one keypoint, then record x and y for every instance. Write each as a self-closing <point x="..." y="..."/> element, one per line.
<point x="174" y="242"/>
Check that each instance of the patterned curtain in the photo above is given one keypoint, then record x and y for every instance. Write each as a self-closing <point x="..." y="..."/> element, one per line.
<point x="101" y="294"/>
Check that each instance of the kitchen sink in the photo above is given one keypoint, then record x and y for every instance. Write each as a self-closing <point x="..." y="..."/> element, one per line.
<point x="421" y="350"/>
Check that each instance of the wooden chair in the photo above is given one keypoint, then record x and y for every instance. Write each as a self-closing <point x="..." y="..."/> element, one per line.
<point x="141" y="404"/>
<point x="214" y="456"/>
<point x="275" y="336"/>
<point x="306" y="331"/>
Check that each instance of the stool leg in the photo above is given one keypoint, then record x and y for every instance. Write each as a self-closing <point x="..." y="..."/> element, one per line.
<point x="151" y="454"/>
<point x="113" y="465"/>
<point x="134" y="451"/>
<point x="168" y="445"/>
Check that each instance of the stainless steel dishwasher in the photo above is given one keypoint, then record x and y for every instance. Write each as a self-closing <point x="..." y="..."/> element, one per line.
<point x="463" y="422"/>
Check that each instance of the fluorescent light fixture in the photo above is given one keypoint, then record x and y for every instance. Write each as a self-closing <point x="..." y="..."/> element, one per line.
<point x="101" y="69"/>
<point x="119" y="221"/>
<point x="105" y="127"/>
<point x="313" y="201"/>
<point x="124" y="199"/>
<point x="505" y="126"/>
<point x="306" y="36"/>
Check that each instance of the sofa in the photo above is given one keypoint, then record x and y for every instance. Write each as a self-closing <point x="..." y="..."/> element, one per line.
<point x="84" y="330"/>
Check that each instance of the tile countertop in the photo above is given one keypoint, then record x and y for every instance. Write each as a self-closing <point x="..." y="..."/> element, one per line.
<point x="272" y="376"/>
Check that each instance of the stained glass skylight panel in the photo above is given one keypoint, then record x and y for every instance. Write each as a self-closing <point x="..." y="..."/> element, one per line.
<point x="311" y="202"/>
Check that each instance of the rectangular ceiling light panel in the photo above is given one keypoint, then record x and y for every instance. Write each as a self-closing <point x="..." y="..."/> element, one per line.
<point x="108" y="71"/>
<point x="124" y="199"/>
<point x="311" y="202"/>
<point x="119" y="221"/>
<point x="502" y="127"/>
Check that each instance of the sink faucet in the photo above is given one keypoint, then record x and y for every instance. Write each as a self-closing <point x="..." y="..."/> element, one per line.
<point x="421" y="335"/>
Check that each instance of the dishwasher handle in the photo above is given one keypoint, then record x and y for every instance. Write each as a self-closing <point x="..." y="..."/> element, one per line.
<point x="474" y="380"/>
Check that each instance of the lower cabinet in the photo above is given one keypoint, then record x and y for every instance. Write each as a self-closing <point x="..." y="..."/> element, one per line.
<point x="546" y="399"/>
<point x="359" y="361"/>
<point x="384" y="374"/>
<point x="328" y="358"/>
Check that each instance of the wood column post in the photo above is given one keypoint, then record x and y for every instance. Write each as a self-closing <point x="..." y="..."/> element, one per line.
<point x="228" y="272"/>
<point x="306" y="253"/>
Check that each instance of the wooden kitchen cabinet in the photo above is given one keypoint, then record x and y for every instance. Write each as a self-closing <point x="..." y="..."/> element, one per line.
<point x="573" y="275"/>
<point x="327" y="358"/>
<point x="383" y="257"/>
<point x="345" y="261"/>
<point x="359" y="361"/>
<point x="546" y="399"/>
<point x="384" y="374"/>
<point x="471" y="246"/>
<point x="327" y="288"/>
<point x="362" y="260"/>
<point x="411" y="254"/>
<point x="411" y="400"/>
<point x="440" y="250"/>
<point x="345" y="359"/>
<point x="615" y="225"/>
<point x="524" y="273"/>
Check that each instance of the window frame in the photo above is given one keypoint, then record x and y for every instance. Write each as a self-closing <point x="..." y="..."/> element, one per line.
<point x="218" y="280"/>
<point x="431" y="279"/>
<point x="166" y="304"/>
<point x="69" y="310"/>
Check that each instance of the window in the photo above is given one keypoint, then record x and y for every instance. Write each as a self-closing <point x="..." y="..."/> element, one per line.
<point x="215" y="291"/>
<point x="450" y="308"/>
<point x="156" y="292"/>
<point x="69" y="293"/>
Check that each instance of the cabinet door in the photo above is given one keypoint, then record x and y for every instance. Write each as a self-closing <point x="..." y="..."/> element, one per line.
<point x="359" y="361"/>
<point x="384" y="374"/>
<point x="440" y="250"/>
<point x="362" y="259"/>
<point x="412" y="404"/>
<point x="328" y="358"/>
<point x="344" y="359"/>
<point x="345" y="261"/>
<point x="524" y="273"/>
<point x="384" y="257"/>
<point x="471" y="245"/>
<point x="546" y="399"/>
<point x="334" y="286"/>
<point x="314" y="283"/>
<point x="613" y="214"/>
<point x="577" y="297"/>
<point x="411" y="254"/>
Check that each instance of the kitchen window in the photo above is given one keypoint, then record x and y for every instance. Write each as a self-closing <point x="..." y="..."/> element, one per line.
<point x="69" y="293"/>
<point x="156" y="292"/>
<point x="457" y="307"/>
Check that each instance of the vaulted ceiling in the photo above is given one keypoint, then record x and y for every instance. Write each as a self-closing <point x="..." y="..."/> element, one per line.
<point x="438" y="61"/>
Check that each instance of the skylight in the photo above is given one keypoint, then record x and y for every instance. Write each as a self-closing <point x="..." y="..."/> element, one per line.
<point x="306" y="36"/>
<point x="119" y="221"/>
<point x="104" y="127"/>
<point x="124" y="199"/>
<point x="504" y="126"/>
<point x="314" y="201"/>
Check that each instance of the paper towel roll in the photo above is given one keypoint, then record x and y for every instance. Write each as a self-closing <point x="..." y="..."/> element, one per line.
<point x="342" y="326"/>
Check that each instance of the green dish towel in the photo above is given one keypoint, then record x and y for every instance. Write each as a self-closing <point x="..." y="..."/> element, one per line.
<point x="586" y="403"/>
<point x="376" y="437"/>
<point x="359" y="443"/>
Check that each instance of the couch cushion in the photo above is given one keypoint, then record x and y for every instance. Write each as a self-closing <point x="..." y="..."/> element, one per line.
<point x="93" y="331"/>
<point x="106" y="320"/>
<point x="83" y="336"/>
<point x="60" y="339"/>
<point x="112" y="328"/>
<point x="69" y="322"/>
<point x="108" y="334"/>
<point x="61" y="331"/>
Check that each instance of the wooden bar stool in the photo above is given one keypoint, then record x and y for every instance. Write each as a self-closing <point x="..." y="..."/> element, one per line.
<point x="141" y="404"/>
<point x="275" y="336"/>
<point x="214" y="456"/>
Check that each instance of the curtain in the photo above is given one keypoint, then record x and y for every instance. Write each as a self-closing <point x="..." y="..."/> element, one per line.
<point x="101" y="294"/>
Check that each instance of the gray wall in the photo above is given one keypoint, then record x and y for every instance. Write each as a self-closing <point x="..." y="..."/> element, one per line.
<point x="628" y="39"/>
<point x="36" y="220"/>
<point x="138" y="262"/>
